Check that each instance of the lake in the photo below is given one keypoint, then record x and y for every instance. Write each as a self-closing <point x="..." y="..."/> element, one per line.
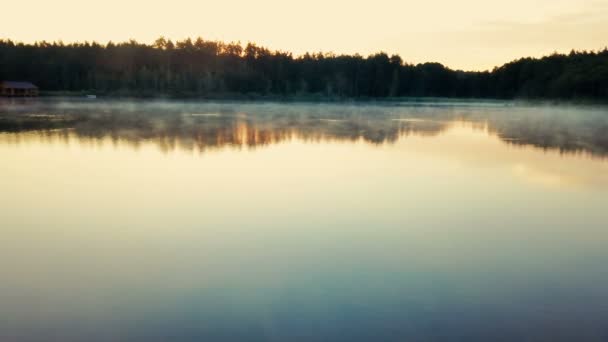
<point x="402" y="221"/>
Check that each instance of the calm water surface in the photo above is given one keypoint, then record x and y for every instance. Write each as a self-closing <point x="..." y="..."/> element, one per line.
<point x="166" y="221"/>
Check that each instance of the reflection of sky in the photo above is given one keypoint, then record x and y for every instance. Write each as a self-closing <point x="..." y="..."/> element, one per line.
<point x="458" y="233"/>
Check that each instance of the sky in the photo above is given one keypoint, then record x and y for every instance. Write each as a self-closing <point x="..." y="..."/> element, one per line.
<point x="464" y="34"/>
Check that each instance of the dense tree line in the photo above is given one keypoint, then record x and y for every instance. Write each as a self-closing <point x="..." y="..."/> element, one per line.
<point x="209" y="68"/>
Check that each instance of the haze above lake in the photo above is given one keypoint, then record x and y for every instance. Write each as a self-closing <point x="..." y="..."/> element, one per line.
<point x="187" y="221"/>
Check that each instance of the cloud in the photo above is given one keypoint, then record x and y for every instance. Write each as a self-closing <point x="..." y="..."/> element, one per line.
<point x="489" y="43"/>
<point x="583" y="29"/>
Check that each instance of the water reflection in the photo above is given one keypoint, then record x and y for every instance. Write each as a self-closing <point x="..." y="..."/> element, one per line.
<point x="302" y="222"/>
<point x="204" y="126"/>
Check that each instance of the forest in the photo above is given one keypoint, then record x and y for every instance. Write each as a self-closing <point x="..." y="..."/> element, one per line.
<point x="203" y="68"/>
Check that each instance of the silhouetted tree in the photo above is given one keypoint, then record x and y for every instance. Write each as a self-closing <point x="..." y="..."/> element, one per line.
<point x="208" y="68"/>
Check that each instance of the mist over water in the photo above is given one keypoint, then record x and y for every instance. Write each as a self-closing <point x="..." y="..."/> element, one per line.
<point x="187" y="221"/>
<point x="202" y="125"/>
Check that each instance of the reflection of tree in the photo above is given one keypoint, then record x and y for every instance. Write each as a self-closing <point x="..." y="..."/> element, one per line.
<point x="565" y="130"/>
<point x="196" y="126"/>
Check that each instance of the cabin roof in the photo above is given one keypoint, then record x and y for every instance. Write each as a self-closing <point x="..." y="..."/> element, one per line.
<point x="17" y="85"/>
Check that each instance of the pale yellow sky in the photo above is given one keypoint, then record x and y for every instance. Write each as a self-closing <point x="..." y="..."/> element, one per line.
<point x="464" y="34"/>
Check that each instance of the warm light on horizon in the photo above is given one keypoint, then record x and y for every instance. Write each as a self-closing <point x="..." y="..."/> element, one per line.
<point x="469" y="35"/>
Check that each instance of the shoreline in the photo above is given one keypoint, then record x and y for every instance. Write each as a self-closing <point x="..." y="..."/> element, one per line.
<point x="312" y="98"/>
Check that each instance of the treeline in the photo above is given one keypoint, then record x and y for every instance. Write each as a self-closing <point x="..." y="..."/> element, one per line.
<point x="210" y="68"/>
